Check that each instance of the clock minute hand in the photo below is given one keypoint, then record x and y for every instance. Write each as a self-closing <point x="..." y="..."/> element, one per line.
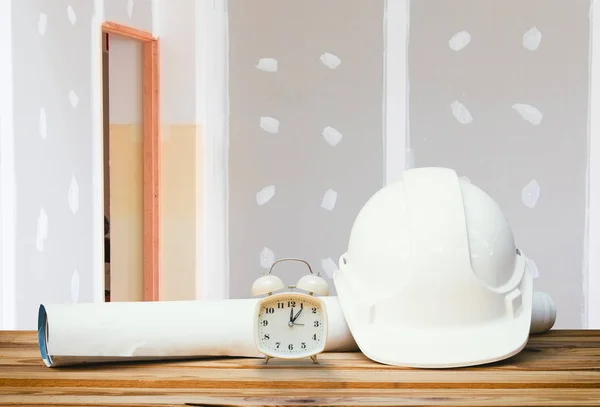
<point x="296" y="317"/>
<point x="292" y="318"/>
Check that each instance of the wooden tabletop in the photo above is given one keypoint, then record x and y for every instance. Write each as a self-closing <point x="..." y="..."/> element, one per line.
<point x="557" y="368"/>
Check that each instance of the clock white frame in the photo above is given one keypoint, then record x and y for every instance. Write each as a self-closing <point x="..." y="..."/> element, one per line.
<point x="312" y="353"/>
<point x="268" y="284"/>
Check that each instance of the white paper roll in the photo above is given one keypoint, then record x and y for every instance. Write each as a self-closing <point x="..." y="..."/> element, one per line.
<point x="544" y="312"/>
<point x="122" y="331"/>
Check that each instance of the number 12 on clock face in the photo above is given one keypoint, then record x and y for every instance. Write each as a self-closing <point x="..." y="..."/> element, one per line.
<point x="291" y="326"/>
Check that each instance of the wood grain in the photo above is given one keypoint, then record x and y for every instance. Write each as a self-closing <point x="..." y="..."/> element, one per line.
<point x="110" y="27"/>
<point x="557" y="368"/>
<point x="151" y="143"/>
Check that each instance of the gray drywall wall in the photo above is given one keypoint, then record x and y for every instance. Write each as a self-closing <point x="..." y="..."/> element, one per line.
<point x="52" y="106"/>
<point x="296" y="166"/>
<point x="498" y="149"/>
<point x="131" y="13"/>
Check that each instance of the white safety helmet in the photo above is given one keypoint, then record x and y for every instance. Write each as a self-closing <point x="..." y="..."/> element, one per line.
<point x="432" y="277"/>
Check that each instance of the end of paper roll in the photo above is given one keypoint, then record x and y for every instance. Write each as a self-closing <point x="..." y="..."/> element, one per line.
<point x="42" y="332"/>
<point x="543" y="313"/>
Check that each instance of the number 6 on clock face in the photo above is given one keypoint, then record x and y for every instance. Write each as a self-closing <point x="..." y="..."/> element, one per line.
<point x="290" y="326"/>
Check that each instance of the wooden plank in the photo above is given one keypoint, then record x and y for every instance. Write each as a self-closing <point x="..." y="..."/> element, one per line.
<point x="293" y="397"/>
<point x="557" y="368"/>
<point x="150" y="109"/>
<point x="125" y="31"/>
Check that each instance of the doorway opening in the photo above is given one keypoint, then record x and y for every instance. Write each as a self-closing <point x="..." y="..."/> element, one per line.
<point x="131" y="164"/>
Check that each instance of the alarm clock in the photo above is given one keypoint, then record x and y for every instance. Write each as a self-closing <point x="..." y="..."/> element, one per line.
<point x="290" y="324"/>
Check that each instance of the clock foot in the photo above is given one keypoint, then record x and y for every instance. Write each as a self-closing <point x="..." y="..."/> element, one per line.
<point x="314" y="358"/>
<point x="267" y="359"/>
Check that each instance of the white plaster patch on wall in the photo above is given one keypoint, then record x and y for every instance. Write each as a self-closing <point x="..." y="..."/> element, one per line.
<point x="73" y="98"/>
<point x="267" y="64"/>
<point x="329" y="199"/>
<point x="535" y="273"/>
<point x="73" y="195"/>
<point x="459" y="40"/>
<point x="269" y="124"/>
<point x="42" y="123"/>
<point x="129" y="8"/>
<point x="264" y="195"/>
<point x="42" y="23"/>
<point x="8" y="204"/>
<point x="42" y="230"/>
<point x="530" y="194"/>
<point x="331" y="135"/>
<point x="331" y="61"/>
<point x="461" y="113"/>
<point x="75" y="286"/>
<point x="267" y="258"/>
<point x="328" y="266"/>
<point x="72" y="15"/>
<point x="529" y="113"/>
<point x="395" y="98"/>
<point x="532" y="39"/>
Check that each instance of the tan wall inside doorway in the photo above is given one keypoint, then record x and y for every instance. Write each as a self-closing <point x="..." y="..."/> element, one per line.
<point x="126" y="212"/>
<point x="177" y="215"/>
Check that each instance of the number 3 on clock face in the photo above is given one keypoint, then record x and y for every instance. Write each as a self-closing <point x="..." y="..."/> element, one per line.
<point x="290" y="326"/>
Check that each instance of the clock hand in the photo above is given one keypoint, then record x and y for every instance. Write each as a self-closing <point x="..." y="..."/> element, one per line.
<point x="291" y="321"/>
<point x="296" y="317"/>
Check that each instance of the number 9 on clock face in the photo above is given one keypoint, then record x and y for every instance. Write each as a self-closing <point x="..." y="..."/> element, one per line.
<point x="290" y="325"/>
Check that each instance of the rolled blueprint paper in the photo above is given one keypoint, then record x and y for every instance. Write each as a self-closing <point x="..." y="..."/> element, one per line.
<point x="123" y="331"/>
<point x="544" y="313"/>
<point x="71" y="334"/>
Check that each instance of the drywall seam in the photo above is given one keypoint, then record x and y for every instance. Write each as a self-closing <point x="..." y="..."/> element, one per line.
<point x="592" y="255"/>
<point x="97" y="153"/>
<point x="201" y="170"/>
<point x="155" y="18"/>
<point x="213" y="282"/>
<point x="7" y="174"/>
<point x="225" y="145"/>
<point x="396" y="23"/>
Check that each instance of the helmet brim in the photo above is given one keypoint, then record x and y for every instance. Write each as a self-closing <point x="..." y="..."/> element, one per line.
<point x="390" y="343"/>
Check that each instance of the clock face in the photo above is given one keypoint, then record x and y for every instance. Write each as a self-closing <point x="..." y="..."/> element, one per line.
<point x="291" y="325"/>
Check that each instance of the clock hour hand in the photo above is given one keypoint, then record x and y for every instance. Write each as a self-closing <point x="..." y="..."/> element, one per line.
<point x="291" y="321"/>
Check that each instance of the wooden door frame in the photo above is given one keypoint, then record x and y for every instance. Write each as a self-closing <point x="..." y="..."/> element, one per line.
<point x="151" y="151"/>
